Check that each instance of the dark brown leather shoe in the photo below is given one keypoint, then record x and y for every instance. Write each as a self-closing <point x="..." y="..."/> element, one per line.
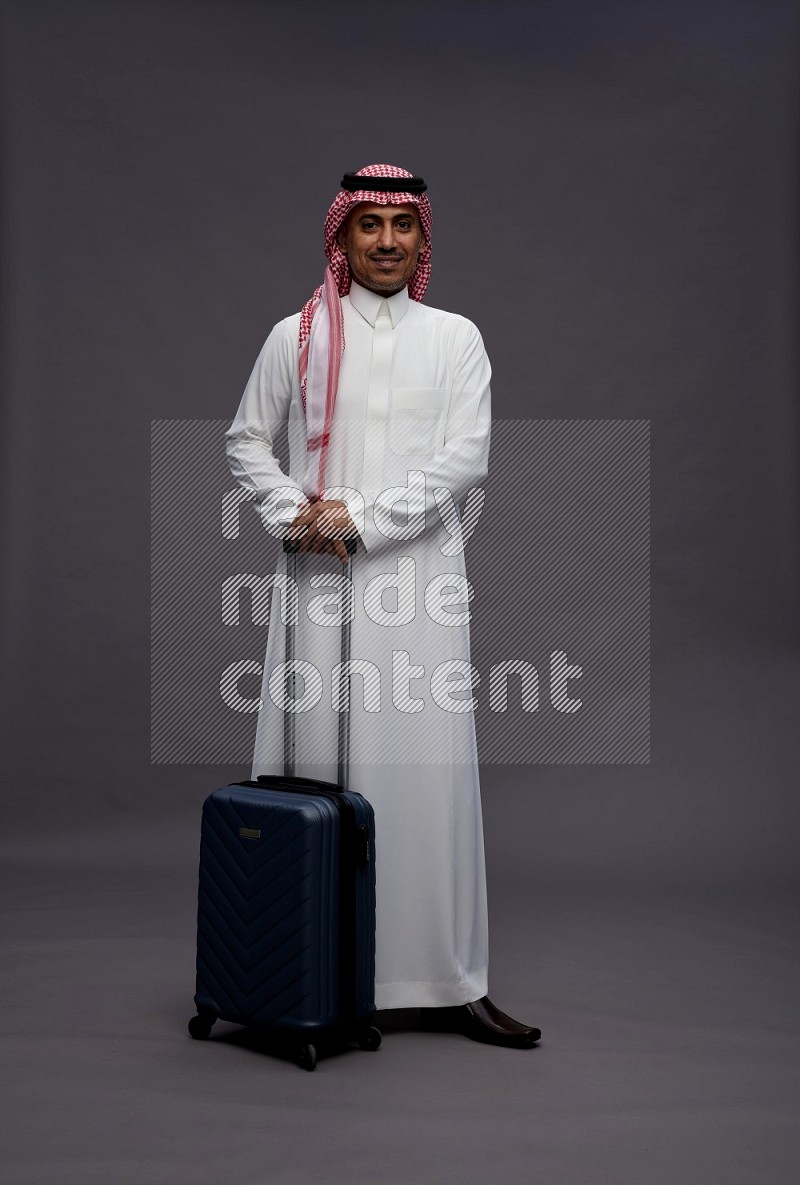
<point x="480" y="1021"/>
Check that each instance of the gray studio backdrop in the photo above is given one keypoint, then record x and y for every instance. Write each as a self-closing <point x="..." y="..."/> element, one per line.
<point x="614" y="192"/>
<point x="614" y="195"/>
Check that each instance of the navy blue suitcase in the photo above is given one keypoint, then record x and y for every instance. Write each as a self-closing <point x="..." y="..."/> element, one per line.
<point x="286" y="903"/>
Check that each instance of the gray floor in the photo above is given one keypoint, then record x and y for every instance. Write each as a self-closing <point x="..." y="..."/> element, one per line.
<point x="644" y="917"/>
<point x="670" y="1048"/>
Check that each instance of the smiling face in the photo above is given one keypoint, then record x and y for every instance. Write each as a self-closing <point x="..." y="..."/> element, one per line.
<point x="382" y="244"/>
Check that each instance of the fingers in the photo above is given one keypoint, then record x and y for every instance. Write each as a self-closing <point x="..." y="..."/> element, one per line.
<point x="315" y="540"/>
<point x="320" y="527"/>
<point x="335" y="522"/>
<point x="299" y="524"/>
<point x="302" y="529"/>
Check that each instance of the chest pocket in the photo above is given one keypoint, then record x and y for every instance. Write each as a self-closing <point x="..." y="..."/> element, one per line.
<point x="417" y="420"/>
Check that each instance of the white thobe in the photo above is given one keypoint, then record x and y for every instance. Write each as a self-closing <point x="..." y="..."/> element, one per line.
<point x="413" y="397"/>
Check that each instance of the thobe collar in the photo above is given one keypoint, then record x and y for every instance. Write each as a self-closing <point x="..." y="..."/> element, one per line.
<point x="368" y="303"/>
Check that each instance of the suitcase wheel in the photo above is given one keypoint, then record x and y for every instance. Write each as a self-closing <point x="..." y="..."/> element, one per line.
<point x="307" y="1057"/>
<point x="200" y="1026"/>
<point x="369" y="1038"/>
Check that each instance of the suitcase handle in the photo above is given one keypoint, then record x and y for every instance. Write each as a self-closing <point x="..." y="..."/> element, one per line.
<point x="282" y="781"/>
<point x="291" y="547"/>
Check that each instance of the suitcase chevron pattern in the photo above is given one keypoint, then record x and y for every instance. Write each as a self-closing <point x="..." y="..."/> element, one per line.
<point x="265" y="949"/>
<point x="286" y="903"/>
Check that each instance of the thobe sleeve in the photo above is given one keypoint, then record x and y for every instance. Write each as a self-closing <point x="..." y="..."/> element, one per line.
<point x="263" y="409"/>
<point x="463" y="460"/>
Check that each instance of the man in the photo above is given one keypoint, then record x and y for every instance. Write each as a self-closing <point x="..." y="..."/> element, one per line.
<point x="387" y="404"/>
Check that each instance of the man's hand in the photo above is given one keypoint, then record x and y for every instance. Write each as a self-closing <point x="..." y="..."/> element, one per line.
<point x="322" y="526"/>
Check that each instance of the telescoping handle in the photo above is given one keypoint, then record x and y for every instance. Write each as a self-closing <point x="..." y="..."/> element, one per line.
<point x="291" y="547"/>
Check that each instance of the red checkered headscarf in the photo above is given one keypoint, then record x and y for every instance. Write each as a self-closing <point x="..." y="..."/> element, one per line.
<point x="322" y="323"/>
